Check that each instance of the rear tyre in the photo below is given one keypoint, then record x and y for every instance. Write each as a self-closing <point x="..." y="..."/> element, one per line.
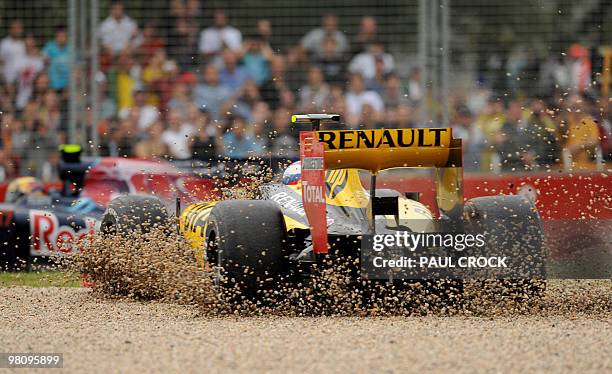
<point x="512" y="224"/>
<point x="133" y="214"/>
<point x="246" y="246"/>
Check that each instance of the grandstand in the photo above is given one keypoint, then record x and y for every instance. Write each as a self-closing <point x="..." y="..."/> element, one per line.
<point x="189" y="79"/>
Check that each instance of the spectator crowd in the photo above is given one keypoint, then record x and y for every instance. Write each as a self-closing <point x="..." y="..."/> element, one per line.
<point x="181" y="90"/>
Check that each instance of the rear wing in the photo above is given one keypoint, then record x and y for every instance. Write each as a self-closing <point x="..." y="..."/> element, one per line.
<point x="374" y="150"/>
<point x="380" y="149"/>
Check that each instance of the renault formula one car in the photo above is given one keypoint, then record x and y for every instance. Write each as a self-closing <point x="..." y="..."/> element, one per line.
<point x="325" y="211"/>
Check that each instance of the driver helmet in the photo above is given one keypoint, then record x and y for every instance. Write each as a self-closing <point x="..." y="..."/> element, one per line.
<point x="23" y="186"/>
<point x="293" y="174"/>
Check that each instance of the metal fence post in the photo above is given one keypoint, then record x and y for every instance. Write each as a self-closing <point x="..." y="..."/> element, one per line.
<point x="424" y="114"/>
<point x="445" y="61"/>
<point x="82" y="63"/>
<point x="93" y="81"/>
<point x="72" y="94"/>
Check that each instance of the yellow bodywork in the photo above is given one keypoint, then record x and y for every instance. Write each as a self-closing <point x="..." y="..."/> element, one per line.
<point x="344" y="189"/>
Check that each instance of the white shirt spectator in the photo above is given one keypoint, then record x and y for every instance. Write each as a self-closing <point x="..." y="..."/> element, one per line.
<point x="11" y="51"/>
<point x="29" y="67"/>
<point x="178" y="141"/>
<point x="115" y="34"/>
<point x="365" y="64"/>
<point x="213" y="39"/>
<point x="148" y="115"/>
<point x="356" y="101"/>
<point x="313" y="41"/>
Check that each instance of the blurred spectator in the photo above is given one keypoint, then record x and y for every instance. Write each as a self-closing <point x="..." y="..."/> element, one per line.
<point x="405" y="116"/>
<point x="378" y="82"/>
<point x="177" y="136"/>
<point x="193" y="116"/>
<point x="41" y="85"/>
<point x="121" y="142"/>
<point x="49" y="171"/>
<point x="165" y="82"/>
<point x="312" y="42"/>
<point x="118" y="32"/>
<point x="357" y="97"/>
<point x="517" y="142"/>
<point x="153" y="146"/>
<point x="260" y="113"/>
<point x="545" y="133"/>
<point x="464" y="128"/>
<point x="490" y="121"/>
<point x="12" y="50"/>
<point x="367" y="34"/>
<point x="220" y="36"/>
<point x="335" y="102"/>
<point x="50" y="116"/>
<point x="287" y="101"/>
<point x="242" y="102"/>
<point x="365" y="62"/>
<point x="142" y="113"/>
<point x="579" y="66"/>
<point x="516" y="64"/>
<point x="148" y="42"/>
<point x="232" y="75"/>
<point x="30" y="66"/>
<point x="415" y="89"/>
<point x="331" y="62"/>
<point x="237" y="142"/>
<point x="581" y="135"/>
<point x="6" y="99"/>
<point x="107" y="106"/>
<point x="152" y="74"/>
<point x="180" y="98"/>
<point x="210" y="95"/>
<point x="20" y="135"/>
<point x="297" y="66"/>
<point x="183" y="42"/>
<point x="256" y="57"/>
<point x="264" y="31"/>
<point x="57" y="53"/>
<point x="272" y="89"/>
<point x="393" y="94"/>
<point x="43" y="142"/>
<point x="127" y="76"/>
<point x="312" y="96"/>
<point x="207" y="143"/>
<point x="369" y="118"/>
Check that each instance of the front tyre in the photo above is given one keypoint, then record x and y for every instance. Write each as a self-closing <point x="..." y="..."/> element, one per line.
<point x="133" y="214"/>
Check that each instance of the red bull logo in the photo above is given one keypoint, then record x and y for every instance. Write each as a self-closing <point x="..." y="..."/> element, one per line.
<point x="49" y="237"/>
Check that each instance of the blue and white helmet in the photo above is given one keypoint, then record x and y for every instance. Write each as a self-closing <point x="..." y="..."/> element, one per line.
<point x="293" y="173"/>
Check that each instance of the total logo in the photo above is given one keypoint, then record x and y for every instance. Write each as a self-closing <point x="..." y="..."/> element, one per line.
<point x="313" y="194"/>
<point x="50" y="237"/>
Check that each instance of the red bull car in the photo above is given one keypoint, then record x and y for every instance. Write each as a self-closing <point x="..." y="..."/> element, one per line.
<point x="37" y="222"/>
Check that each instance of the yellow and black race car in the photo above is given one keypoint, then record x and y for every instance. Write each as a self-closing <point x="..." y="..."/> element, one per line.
<point x="321" y="209"/>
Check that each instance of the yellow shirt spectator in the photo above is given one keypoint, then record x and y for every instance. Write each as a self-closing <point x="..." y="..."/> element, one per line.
<point x="125" y="88"/>
<point x="582" y="141"/>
